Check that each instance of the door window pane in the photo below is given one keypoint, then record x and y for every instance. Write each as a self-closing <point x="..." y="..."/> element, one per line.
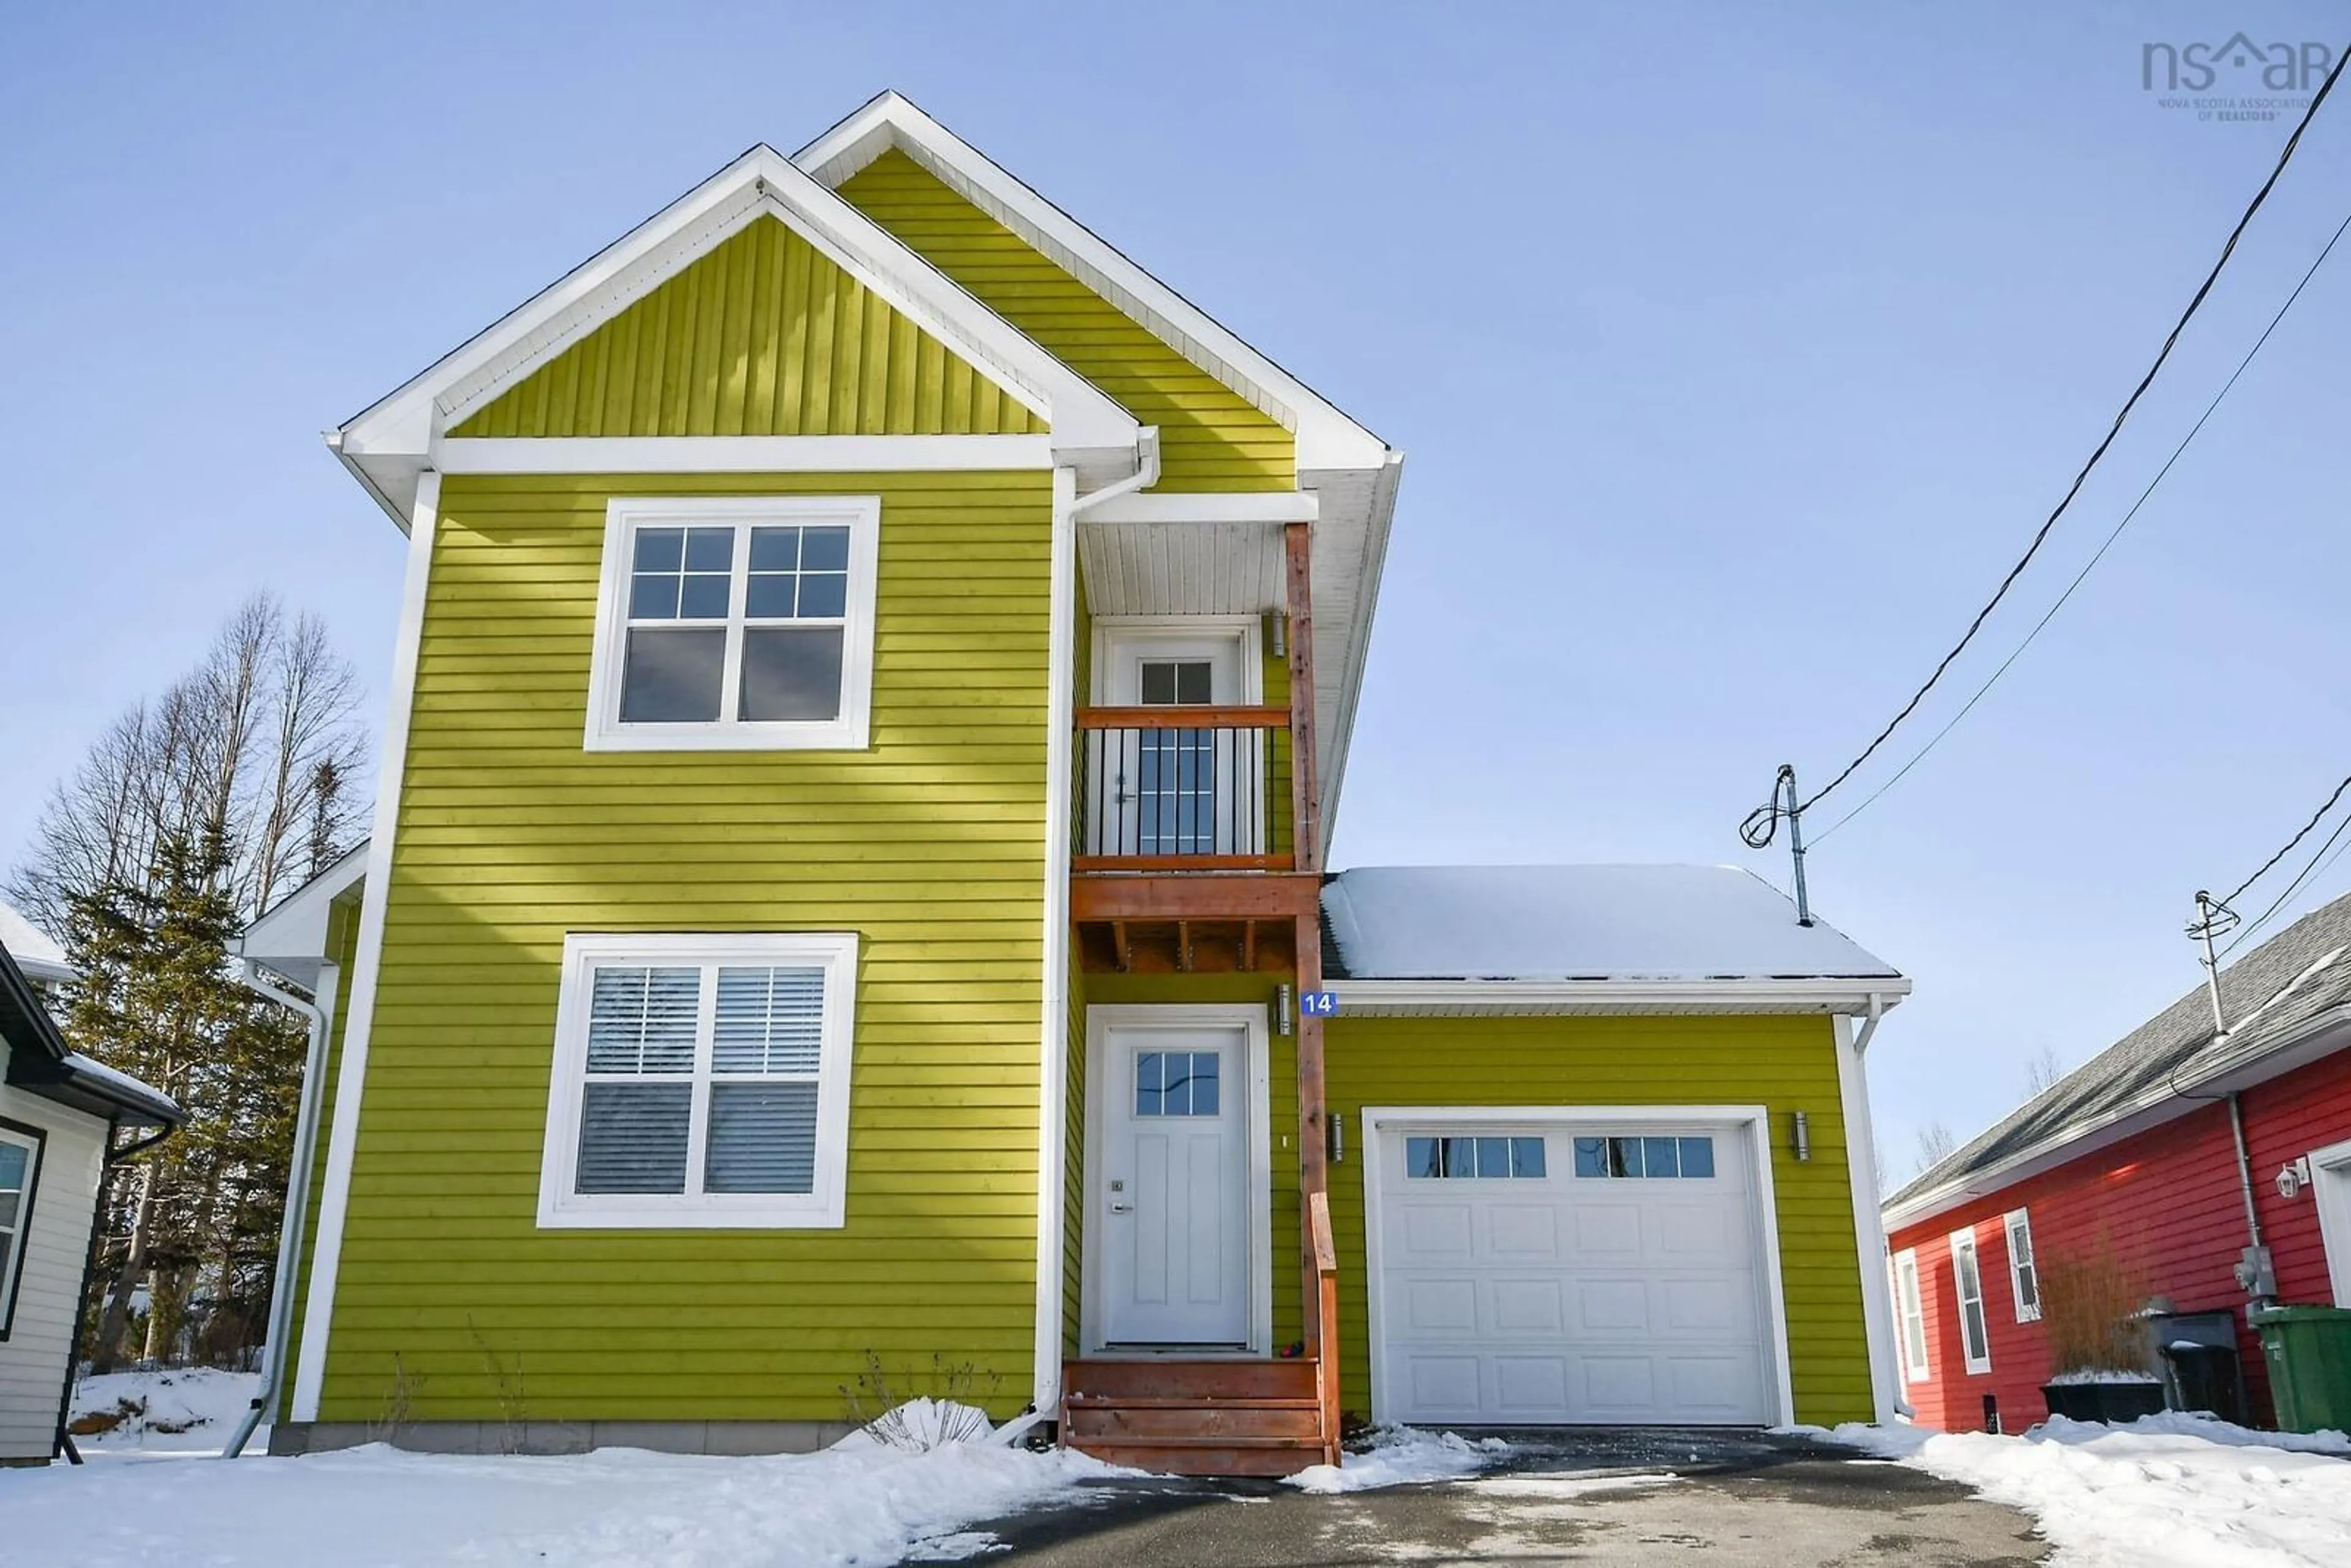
<point x="1177" y="1083"/>
<point x="633" y="1137"/>
<point x="1177" y="681"/>
<point x="673" y="677"/>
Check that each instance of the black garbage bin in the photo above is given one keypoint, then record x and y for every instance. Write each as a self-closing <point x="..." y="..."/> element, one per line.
<point x="2201" y="1368"/>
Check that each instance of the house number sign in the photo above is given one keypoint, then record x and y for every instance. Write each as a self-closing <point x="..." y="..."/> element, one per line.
<point x="1319" y="1004"/>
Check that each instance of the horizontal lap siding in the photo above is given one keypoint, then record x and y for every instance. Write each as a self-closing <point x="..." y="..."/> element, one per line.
<point x="1786" y="1064"/>
<point x="56" y="1246"/>
<point x="763" y="336"/>
<point x="930" y="844"/>
<point x="2169" y="1206"/>
<point x="1211" y="438"/>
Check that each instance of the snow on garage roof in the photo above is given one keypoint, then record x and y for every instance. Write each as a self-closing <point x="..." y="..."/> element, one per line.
<point x="35" y="952"/>
<point x="1579" y="922"/>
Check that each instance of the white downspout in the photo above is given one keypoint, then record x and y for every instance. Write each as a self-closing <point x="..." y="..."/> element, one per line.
<point x="1054" y="1073"/>
<point x="298" y="1195"/>
<point x="1868" y="1217"/>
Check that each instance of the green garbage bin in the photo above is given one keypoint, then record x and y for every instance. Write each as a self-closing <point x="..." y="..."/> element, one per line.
<point x="2308" y="1350"/>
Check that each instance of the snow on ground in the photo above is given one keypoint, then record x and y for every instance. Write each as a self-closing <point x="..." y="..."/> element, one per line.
<point x="2167" y="1492"/>
<point x="378" y="1508"/>
<point x="1397" y="1456"/>
<point x="178" y="1410"/>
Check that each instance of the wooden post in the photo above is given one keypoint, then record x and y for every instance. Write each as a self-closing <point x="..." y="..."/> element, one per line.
<point x="1314" y="1174"/>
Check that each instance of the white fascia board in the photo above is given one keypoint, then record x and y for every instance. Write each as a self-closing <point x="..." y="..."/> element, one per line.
<point x="1356" y="657"/>
<point x="403" y="426"/>
<point x="2145" y="1113"/>
<point x="296" y="927"/>
<point x="740" y="453"/>
<point x="1375" y="998"/>
<point x="1326" y="437"/>
<point x="1274" y="507"/>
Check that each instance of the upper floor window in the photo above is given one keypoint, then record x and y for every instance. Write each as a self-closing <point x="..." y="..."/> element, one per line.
<point x="700" y="1080"/>
<point x="2023" y="1279"/>
<point x="735" y="622"/>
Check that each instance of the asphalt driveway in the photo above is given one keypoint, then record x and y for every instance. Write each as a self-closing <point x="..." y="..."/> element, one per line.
<point x="1732" y="1500"/>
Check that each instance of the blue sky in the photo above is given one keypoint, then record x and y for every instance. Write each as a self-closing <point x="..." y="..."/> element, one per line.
<point x="1736" y="353"/>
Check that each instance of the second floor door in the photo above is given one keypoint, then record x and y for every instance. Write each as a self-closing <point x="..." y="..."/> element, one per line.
<point x="1176" y="790"/>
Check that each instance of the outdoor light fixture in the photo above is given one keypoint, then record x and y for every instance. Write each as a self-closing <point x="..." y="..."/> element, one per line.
<point x="1277" y="632"/>
<point x="1281" y="1007"/>
<point x="1803" y="1136"/>
<point x="1334" y="1137"/>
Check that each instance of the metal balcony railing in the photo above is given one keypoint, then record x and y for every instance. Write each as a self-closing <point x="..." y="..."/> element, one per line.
<point x="1177" y="789"/>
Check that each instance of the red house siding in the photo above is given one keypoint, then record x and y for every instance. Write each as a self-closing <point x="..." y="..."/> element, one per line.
<point x="2169" y="1204"/>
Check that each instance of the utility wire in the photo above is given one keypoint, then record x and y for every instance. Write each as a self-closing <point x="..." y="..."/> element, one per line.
<point x="2285" y="156"/>
<point x="2316" y="818"/>
<point x="2308" y="871"/>
<point x="1920" y="756"/>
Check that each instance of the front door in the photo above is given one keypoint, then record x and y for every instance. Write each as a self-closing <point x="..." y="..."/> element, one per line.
<point x="1178" y="791"/>
<point x="1175" y="1188"/>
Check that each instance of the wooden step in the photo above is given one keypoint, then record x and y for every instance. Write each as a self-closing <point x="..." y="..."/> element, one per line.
<point x="1206" y="1456"/>
<point x="1195" y="1380"/>
<point x="1235" y="1421"/>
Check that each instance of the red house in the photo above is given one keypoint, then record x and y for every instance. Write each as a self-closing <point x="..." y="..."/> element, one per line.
<point x="2212" y="1168"/>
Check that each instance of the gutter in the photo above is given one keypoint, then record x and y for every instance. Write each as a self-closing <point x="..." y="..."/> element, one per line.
<point x="1053" y="1068"/>
<point x="112" y="1157"/>
<point x="1824" y="994"/>
<point x="297" y="1196"/>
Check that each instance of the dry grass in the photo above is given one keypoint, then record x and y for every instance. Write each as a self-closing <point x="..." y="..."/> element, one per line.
<point x="2090" y="1311"/>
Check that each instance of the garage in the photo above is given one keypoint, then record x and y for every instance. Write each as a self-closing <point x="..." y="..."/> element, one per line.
<point x="1541" y="1271"/>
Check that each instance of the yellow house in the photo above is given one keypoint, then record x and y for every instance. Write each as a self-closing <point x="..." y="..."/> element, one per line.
<point x="846" y="914"/>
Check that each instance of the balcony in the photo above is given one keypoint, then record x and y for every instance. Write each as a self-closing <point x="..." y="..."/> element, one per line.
<point x="1185" y="854"/>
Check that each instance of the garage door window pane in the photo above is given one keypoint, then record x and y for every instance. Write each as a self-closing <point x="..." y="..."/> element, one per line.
<point x="1660" y="1157"/>
<point x="1421" y="1159"/>
<point x="1698" y="1157"/>
<point x="1494" y="1158"/>
<point x="1591" y="1156"/>
<point x="1527" y="1158"/>
<point x="1623" y="1157"/>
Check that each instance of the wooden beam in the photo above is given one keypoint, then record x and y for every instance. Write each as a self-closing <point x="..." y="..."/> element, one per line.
<point x="1249" y="946"/>
<point x="1179" y="863"/>
<point x="1184" y="946"/>
<point x="1305" y="806"/>
<point x="1186" y="715"/>
<point x="1270" y="895"/>
<point x="1119" y="941"/>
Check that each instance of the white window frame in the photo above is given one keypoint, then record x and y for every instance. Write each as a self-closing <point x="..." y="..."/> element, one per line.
<point x="825" y="1207"/>
<point x="2018" y="1222"/>
<point x="1910" y="1308"/>
<point x="852" y="730"/>
<point x="1965" y="1240"/>
<point x="15" y="1243"/>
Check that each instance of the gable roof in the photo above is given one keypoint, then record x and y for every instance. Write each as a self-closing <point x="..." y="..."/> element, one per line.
<point x="290" y="937"/>
<point x="388" y="445"/>
<point x="1327" y="438"/>
<point x="41" y="1062"/>
<point x="2286" y="1000"/>
<point x="1609" y="933"/>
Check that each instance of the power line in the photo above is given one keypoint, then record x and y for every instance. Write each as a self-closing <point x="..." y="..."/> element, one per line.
<point x="2308" y="871"/>
<point x="1920" y="756"/>
<point x="2285" y="156"/>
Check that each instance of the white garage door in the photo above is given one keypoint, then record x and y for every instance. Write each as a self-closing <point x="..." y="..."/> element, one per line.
<point x="1556" y="1273"/>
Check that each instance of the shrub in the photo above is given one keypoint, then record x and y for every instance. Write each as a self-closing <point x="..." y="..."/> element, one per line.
<point x="2090" y="1311"/>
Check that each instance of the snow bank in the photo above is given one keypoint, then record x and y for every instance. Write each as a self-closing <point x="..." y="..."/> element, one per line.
<point x="378" y="1508"/>
<point x="1398" y="1456"/>
<point x="188" y="1410"/>
<point x="2168" y="1491"/>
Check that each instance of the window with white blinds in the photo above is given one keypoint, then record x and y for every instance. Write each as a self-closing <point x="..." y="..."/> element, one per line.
<point x="20" y="1166"/>
<point x="701" y="1081"/>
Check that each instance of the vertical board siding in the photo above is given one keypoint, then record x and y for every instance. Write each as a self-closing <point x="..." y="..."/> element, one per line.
<point x="2168" y="1206"/>
<point x="343" y="949"/>
<point x="1211" y="438"/>
<point x="452" y="1304"/>
<point x="762" y="336"/>
<point x="1784" y="1063"/>
<point x="56" y="1244"/>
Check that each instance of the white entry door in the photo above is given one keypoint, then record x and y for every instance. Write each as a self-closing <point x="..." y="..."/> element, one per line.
<point x="1550" y="1272"/>
<point x="1178" y="790"/>
<point x="1173" y="1198"/>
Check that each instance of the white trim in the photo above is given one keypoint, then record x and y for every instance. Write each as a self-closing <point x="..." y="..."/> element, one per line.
<point x="1271" y="507"/>
<point x="1869" y="1229"/>
<point x="1112" y="632"/>
<point x="851" y="731"/>
<point x="740" y="453"/>
<point x="1053" y="1046"/>
<point x="825" y="1207"/>
<point x="2014" y="1221"/>
<point x="296" y="926"/>
<point x="1406" y="998"/>
<point x="384" y="441"/>
<point x="334" y="1202"/>
<point x="1911" y="1298"/>
<point x="1966" y="1240"/>
<point x="17" y="1242"/>
<point x="2333" y="1200"/>
<point x="1756" y="1120"/>
<point x="1326" y="437"/>
<point x="1249" y="1017"/>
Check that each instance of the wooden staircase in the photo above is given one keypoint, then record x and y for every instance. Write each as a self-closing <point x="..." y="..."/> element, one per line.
<point x="1216" y="1418"/>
